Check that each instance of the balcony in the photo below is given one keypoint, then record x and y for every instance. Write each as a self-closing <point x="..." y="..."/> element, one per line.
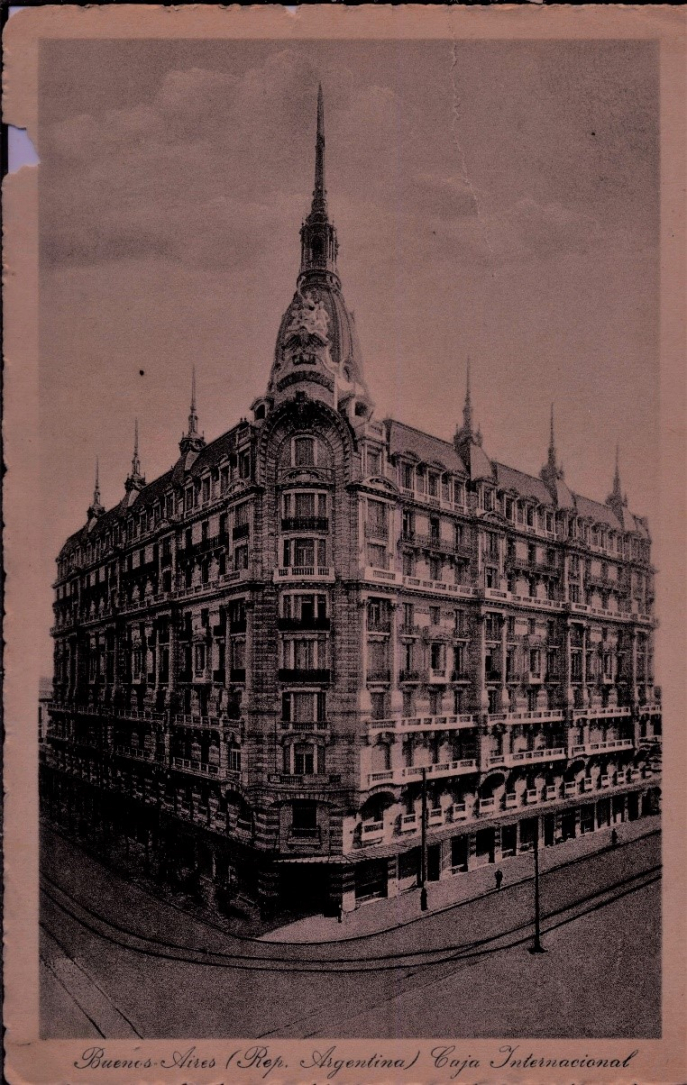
<point x="397" y="777"/>
<point x="436" y="543"/>
<point x="304" y="674"/>
<point x="197" y="768"/>
<point x="410" y="823"/>
<point x="322" y="573"/>
<point x="457" y="812"/>
<point x="305" y="523"/>
<point x="379" y="676"/>
<point x="311" y="622"/>
<point x="440" y="587"/>
<point x="486" y="806"/>
<point x="412" y="676"/>
<point x="510" y="801"/>
<point x="306" y="835"/>
<point x="527" y="756"/>
<point x="531" y="796"/>
<point x="380" y="532"/>
<point x="237" y="674"/>
<point x="550" y="792"/>
<point x="569" y="789"/>
<point x="138" y="753"/>
<point x="305" y="725"/>
<point x="241" y="531"/>
<point x="611" y="744"/>
<point x="423" y="723"/>
<point x="371" y="832"/>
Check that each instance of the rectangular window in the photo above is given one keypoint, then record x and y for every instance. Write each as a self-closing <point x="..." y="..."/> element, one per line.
<point x="407" y="476"/>
<point x="434" y="615"/>
<point x="377" y="556"/>
<point x="304" y="760"/>
<point x="304" y="451"/>
<point x="378" y="706"/>
<point x="200" y="659"/>
<point x="408" y="615"/>
<point x="374" y="461"/>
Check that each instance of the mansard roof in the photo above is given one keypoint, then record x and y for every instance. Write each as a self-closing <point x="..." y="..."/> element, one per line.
<point x="406" y="440"/>
<point x="508" y="478"/>
<point x="597" y="512"/>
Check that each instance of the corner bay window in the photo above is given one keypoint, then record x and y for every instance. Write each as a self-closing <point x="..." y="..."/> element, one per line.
<point x="304" y="708"/>
<point x="304" y="759"/>
<point x="305" y="553"/>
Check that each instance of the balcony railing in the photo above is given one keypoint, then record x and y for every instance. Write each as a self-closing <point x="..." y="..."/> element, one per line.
<point x="288" y="625"/>
<point x="412" y="676"/>
<point x="305" y="523"/>
<point x="371" y="831"/>
<point x="305" y="572"/>
<point x="377" y="531"/>
<point x="303" y="674"/>
<point x="198" y="768"/>
<point x="379" y="676"/>
<point x="423" y="723"/>
<point x="241" y="531"/>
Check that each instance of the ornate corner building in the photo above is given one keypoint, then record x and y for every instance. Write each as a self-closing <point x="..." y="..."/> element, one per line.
<point x="274" y="661"/>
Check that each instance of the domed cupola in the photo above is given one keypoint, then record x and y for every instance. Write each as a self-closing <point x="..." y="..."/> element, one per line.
<point x="317" y="350"/>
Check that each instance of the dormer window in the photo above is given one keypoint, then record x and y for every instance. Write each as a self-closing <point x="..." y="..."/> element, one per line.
<point x="374" y="461"/>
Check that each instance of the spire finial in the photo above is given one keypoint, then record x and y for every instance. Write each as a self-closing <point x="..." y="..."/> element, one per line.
<point x="135" y="462"/>
<point x="319" y="196"/>
<point x="467" y="409"/>
<point x="616" y="476"/>
<point x="193" y="417"/>
<point x="96" y="490"/>
<point x="552" y="442"/>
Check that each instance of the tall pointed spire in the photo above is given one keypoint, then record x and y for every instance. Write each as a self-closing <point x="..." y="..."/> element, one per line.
<point x="617" y="492"/>
<point x="192" y="441"/>
<point x="135" y="461"/>
<point x="467" y="408"/>
<point x="552" y="445"/>
<point x="135" y="480"/>
<point x="319" y="196"/>
<point x="96" y="508"/>
<point x="193" y="417"/>
<point x="319" y="246"/>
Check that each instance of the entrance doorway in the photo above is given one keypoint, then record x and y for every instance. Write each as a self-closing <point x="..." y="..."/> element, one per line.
<point x="549" y="829"/>
<point x="459" y="852"/>
<point x="509" y="840"/>
<point x="568" y="827"/>
<point x="370" y="880"/>
<point x="484" y="846"/>
<point x="434" y="863"/>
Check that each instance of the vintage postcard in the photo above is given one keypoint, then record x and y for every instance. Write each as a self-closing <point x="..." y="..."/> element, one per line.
<point x="345" y="545"/>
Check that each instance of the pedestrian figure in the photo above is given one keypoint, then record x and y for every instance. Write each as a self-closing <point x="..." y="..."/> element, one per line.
<point x="614" y="838"/>
<point x="339" y="912"/>
<point x="499" y="878"/>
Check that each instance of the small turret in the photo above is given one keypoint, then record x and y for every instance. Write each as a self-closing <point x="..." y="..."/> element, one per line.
<point x="135" y="480"/>
<point x="193" y="441"/>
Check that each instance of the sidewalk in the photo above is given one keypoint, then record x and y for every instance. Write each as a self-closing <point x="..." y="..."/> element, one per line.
<point x="380" y="915"/>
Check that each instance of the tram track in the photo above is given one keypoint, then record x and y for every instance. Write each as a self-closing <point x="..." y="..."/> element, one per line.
<point x="148" y="945"/>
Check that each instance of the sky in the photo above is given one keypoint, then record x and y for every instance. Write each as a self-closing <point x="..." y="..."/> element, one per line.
<point x="492" y="199"/>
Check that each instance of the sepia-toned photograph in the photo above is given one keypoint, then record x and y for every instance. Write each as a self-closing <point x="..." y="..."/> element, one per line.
<point x="348" y="580"/>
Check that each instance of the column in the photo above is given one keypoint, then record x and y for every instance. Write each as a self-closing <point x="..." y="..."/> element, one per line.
<point x="504" y="652"/>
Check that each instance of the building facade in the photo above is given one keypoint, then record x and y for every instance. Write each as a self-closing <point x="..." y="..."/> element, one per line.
<point x="321" y="629"/>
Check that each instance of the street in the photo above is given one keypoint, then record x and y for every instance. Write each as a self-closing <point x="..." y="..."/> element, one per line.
<point x="118" y="962"/>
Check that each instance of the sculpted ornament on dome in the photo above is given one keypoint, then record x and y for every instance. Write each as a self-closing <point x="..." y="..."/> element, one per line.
<point x="308" y="317"/>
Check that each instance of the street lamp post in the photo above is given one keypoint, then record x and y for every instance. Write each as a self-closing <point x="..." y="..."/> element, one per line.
<point x="423" y="845"/>
<point x="536" y="946"/>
